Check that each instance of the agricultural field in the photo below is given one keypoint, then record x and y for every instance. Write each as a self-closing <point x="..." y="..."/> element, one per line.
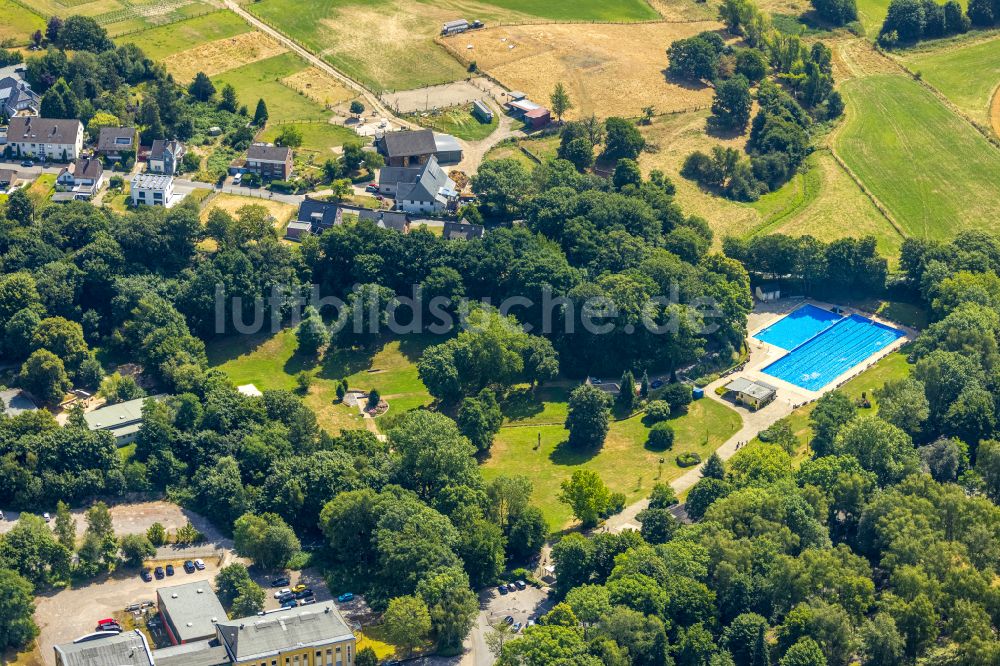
<point x="610" y="70"/>
<point x="121" y="17"/>
<point x="159" y="43"/>
<point x="459" y="122"/>
<point x="966" y="72"/>
<point x="223" y="55"/>
<point x="263" y="79"/>
<point x="934" y="172"/>
<point x="401" y="53"/>
<point x="18" y="23"/>
<point x="623" y="463"/>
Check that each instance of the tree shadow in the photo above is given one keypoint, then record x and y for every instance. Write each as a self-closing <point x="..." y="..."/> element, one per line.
<point x="564" y="454"/>
<point x="681" y="82"/>
<point x="299" y="362"/>
<point x="412" y="346"/>
<point x="343" y="362"/>
<point x="231" y="347"/>
<point x="522" y="403"/>
<point x="723" y="133"/>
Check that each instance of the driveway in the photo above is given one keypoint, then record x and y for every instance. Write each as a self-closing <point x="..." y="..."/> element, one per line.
<point x="523" y="605"/>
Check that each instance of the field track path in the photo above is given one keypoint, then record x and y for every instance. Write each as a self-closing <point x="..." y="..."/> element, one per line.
<point x="371" y="99"/>
<point x="995" y="111"/>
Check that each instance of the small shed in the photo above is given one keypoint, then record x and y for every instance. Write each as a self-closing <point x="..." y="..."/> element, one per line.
<point x="752" y="392"/>
<point x="537" y="118"/>
<point x="481" y="111"/>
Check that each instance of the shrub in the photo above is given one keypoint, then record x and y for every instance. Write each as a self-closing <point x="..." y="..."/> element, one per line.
<point x="678" y="395"/>
<point x="283" y="186"/>
<point x="689" y="459"/>
<point x="657" y="410"/>
<point x="661" y="437"/>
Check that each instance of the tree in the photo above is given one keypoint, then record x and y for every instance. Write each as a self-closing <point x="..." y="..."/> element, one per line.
<point x="560" y="100"/>
<point x="988" y="466"/>
<point x="229" y="102"/>
<point x="407" y="623"/>
<point x="623" y="139"/>
<point x="586" y="495"/>
<point x="742" y="638"/>
<point x="903" y="403"/>
<point x="832" y="411"/>
<point x="52" y="29"/>
<point x="65" y="527"/>
<point x="31" y="549"/>
<point x="44" y="376"/>
<point x="626" y="398"/>
<point x="157" y="534"/>
<point x="837" y="12"/>
<point x="627" y="172"/>
<point x="694" y="58"/>
<point x="312" y="334"/>
<point x="881" y="642"/>
<point x="366" y="657"/>
<point x="136" y="548"/>
<point x="661" y="437"/>
<point x="289" y="136"/>
<point x="497" y="636"/>
<point x="82" y="33"/>
<point x="266" y="539"/>
<point x="20" y="207"/>
<point x="353" y="156"/>
<point x="880" y="447"/>
<point x="588" y="417"/>
<point x="249" y="601"/>
<point x="580" y="152"/>
<point x="704" y="494"/>
<point x="731" y="105"/>
<point x="527" y="535"/>
<point x="432" y="453"/>
<point x="230" y="579"/>
<point x="202" y="88"/>
<point x="452" y="606"/>
<point x="714" y="467"/>
<point x="115" y="389"/>
<point x="260" y="115"/>
<point x="658" y="525"/>
<point x="805" y="652"/>
<point x="501" y="186"/>
<point x="17" y="609"/>
<point x="480" y="418"/>
<point x="357" y="108"/>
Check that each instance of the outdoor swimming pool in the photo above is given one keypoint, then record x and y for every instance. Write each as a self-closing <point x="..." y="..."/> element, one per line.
<point x="798" y="326"/>
<point x="824" y="357"/>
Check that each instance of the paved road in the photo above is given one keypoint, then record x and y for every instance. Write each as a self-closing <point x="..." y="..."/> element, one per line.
<point x="184" y="186"/>
<point x="372" y="101"/>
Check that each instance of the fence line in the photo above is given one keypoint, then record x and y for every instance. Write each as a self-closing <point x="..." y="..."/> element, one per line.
<point x="207" y="10"/>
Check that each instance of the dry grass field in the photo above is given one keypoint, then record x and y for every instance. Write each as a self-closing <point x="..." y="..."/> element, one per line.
<point x="608" y="69"/>
<point x="231" y="203"/>
<point x="319" y="86"/>
<point x="223" y="55"/>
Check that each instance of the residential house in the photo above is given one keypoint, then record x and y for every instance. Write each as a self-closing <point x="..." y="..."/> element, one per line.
<point x="313" y="635"/>
<point x="431" y="192"/>
<point x="8" y="179"/>
<point x="751" y="392"/>
<point x="386" y="219"/>
<point x="152" y="189"/>
<point x="408" y="148"/>
<point x="48" y="138"/>
<point x="269" y="162"/>
<point x="390" y="178"/>
<point x="117" y="143"/>
<point x="16" y="96"/>
<point x="317" y="216"/>
<point x="165" y="157"/>
<point x="106" y="648"/>
<point x="80" y="180"/>
<point x="123" y="420"/>
<point x="463" y="230"/>
<point x="190" y="611"/>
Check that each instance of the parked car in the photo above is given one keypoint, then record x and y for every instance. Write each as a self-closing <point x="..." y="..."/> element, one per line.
<point x="520" y="584"/>
<point x="106" y="621"/>
<point x="199" y="565"/>
<point x="511" y="587"/>
<point x="285" y="597"/>
<point x="502" y="589"/>
<point x="189" y="566"/>
<point x="596" y="380"/>
<point x="302" y="594"/>
<point x="516" y="628"/>
<point x="306" y="602"/>
<point x="280" y="582"/>
<point x="170" y="570"/>
<point x="371" y="187"/>
<point x="144" y="574"/>
<point x="46" y="516"/>
<point x="27" y="163"/>
<point x="282" y="592"/>
<point x="291" y="603"/>
<point x="509" y="619"/>
<point x="158" y="572"/>
<point x="299" y="587"/>
<point x="345" y="597"/>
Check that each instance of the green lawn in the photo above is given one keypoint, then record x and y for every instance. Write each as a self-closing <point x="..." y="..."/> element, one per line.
<point x="318" y="140"/>
<point x="18" y="23"/>
<point x="623" y="462"/>
<point x="158" y="43"/>
<point x="931" y="169"/>
<point x="967" y="74"/>
<point x="270" y="362"/>
<point x="262" y="79"/>
<point x="459" y="122"/>
<point x="401" y="53"/>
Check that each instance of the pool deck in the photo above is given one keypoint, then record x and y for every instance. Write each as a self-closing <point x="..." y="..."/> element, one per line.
<point x="763" y="354"/>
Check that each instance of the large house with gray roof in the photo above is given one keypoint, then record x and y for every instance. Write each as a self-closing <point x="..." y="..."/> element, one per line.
<point x="49" y="138"/>
<point x="424" y="189"/>
<point x="269" y="162"/>
<point x="16" y="96"/>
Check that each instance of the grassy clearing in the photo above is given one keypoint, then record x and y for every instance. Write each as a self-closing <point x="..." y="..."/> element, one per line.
<point x="18" y="23"/>
<point x="893" y="366"/>
<point x="262" y="79"/>
<point x="271" y="363"/>
<point x="544" y="148"/>
<point x="623" y="462"/>
<point x="966" y="73"/>
<point x="42" y="188"/>
<point x="935" y="172"/>
<point x="458" y="121"/>
<point x="231" y="203"/>
<point x="158" y="43"/>
<point x="401" y="54"/>
<point x="318" y="139"/>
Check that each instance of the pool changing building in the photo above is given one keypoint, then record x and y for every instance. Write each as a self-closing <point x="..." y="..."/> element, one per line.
<point x="752" y="393"/>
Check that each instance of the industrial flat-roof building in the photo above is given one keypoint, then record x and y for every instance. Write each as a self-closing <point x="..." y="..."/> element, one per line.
<point x="752" y="392"/>
<point x="199" y="653"/>
<point x="128" y="648"/>
<point x="190" y="611"/>
<point x="314" y="635"/>
<point x="123" y="420"/>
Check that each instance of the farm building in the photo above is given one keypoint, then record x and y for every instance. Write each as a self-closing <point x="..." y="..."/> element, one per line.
<point x="751" y="392"/>
<point x="454" y="27"/>
<point x="407" y="148"/>
<point x="482" y="111"/>
<point x="519" y="107"/>
<point x="447" y="149"/>
<point x="424" y="190"/>
<point x="537" y="118"/>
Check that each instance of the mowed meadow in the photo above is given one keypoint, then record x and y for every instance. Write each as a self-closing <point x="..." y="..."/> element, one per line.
<point x="935" y="173"/>
<point x="389" y="44"/>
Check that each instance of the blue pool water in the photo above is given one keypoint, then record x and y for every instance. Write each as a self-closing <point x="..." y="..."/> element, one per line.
<point x="798" y="326"/>
<point x="826" y="356"/>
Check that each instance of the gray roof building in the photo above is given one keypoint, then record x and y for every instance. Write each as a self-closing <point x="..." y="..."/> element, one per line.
<point x="16" y="96"/>
<point x="199" y="653"/>
<point x="757" y="391"/>
<point x="409" y="144"/>
<point x="260" y="637"/>
<point x="128" y="648"/>
<point x="260" y="151"/>
<point x="386" y="219"/>
<point x="447" y="149"/>
<point x="152" y="181"/>
<point x="113" y="140"/>
<point x="463" y="230"/>
<point x="47" y="130"/>
<point x="319" y="214"/>
<point x="15" y="402"/>
<point x="392" y="177"/>
<point x="190" y="611"/>
<point x="123" y="419"/>
<point x="432" y="185"/>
